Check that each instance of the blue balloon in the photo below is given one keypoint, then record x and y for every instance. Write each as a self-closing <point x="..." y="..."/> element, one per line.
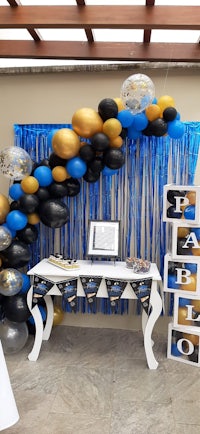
<point x="189" y="212"/>
<point x="174" y="351"/>
<point x="184" y="301"/>
<point x="191" y="267"/>
<point x="133" y="134"/>
<point x="26" y="283"/>
<point x="175" y="129"/>
<point x="197" y="232"/>
<point x="16" y="220"/>
<point x="15" y="191"/>
<point x="140" y="121"/>
<point x="172" y="282"/>
<point x="44" y="176"/>
<point x="125" y="117"/>
<point x="109" y="172"/>
<point x="76" y="167"/>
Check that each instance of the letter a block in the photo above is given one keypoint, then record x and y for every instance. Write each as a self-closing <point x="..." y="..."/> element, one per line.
<point x="181" y="202"/>
<point x="183" y="346"/>
<point x="185" y="241"/>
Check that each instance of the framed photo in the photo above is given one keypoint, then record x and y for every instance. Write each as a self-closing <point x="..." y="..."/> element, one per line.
<point x="103" y="238"/>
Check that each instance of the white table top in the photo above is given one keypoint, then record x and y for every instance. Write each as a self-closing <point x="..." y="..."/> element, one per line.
<point x="111" y="269"/>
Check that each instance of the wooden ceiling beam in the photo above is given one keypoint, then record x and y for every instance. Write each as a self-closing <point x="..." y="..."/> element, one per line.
<point x="111" y="17"/>
<point x="153" y="52"/>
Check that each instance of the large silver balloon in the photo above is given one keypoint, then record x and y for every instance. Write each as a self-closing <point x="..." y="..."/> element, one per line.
<point x="11" y="281"/>
<point x="5" y="238"/>
<point x="13" y="336"/>
<point x="137" y="92"/>
<point x="15" y="163"/>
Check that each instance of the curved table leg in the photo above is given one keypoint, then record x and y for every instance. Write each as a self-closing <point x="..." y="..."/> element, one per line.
<point x="39" y="327"/>
<point x="49" y="320"/>
<point x="156" y="304"/>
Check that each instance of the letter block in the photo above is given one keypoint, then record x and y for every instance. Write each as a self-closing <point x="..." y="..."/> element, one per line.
<point x="183" y="346"/>
<point x="181" y="202"/>
<point x="185" y="241"/>
<point x="187" y="312"/>
<point x="182" y="277"/>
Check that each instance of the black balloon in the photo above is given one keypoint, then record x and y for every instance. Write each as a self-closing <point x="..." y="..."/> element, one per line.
<point x="147" y="131"/>
<point x="29" y="234"/>
<point x="55" y="160"/>
<point x="58" y="189"/>
<point x="169" y="114"/>
<point x="73" y="187"/>
<point x="16" y="308"/>
<point x="91" y="176"/>
<point x="114" y="158"/>
<point x="124" y="133"/>
<point x="54" y="213"/>
<point x="172" y="194"/>
<point x="17" y="255"/>
<point x="107" y="109"/>
<point x="159" y="127"/>
<point x="14" y="205"/>
<point x="181" y="250"/>
<point x="28" y="203"/>
<point x="87" y="153"/>
<point x="172" y="213"/>
<point x="97" y="164"/>
<point x="44" y="162"/>
<point x="100" y="142"/>
<point x="42" y="194"/>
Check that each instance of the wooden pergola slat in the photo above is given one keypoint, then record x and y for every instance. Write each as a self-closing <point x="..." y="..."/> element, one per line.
<point x="160" y="52"/>
<point x="101" y="17"/>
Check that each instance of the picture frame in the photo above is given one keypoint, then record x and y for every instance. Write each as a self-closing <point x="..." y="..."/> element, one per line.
<point x="103" y="238"/>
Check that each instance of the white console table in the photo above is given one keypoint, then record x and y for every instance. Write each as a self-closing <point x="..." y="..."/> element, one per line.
<point x="107" y="270"/>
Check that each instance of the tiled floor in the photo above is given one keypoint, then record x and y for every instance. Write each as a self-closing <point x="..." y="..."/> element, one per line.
<point x="94" y="381"/>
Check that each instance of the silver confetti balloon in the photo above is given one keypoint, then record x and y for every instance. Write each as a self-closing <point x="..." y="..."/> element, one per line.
<point x="137" y="93"/>
<point x="11" y="281"/>
<point x="15" y="163"/>
<point x="5" y="238"/>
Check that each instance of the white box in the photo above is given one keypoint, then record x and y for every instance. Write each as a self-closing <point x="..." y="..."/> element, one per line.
<point x="185" y="241"/>
<point x="183" y="346"/>
<point x="177" y="199"/>
<point x="182" y="275"/>
<point x="187" y="312"/>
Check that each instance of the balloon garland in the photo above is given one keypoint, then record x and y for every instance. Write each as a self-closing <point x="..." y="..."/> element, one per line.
<point x="92" y="147"/>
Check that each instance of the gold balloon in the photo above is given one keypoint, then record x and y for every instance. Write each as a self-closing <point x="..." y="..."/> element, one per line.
<point x="119" y="103"/>
<point x="66" y="143"/>
<point x="29" y="184"/>
<point x="182" y="315"/>
<point x="58" y="315"/>
<point x="191" y="195"/>
<point x="4" y="208"/>
<point x="112" y="128"/>
<point x="192" y="338"/>
<point x="153" y="112"/>
<point x="196" y="304"/>
<point x="60" y="174"/>
<point x="192" y="285"/>
<point x="164" y="102"/>
<point x="196" y="250"/>
<point x="33" y="218"/>
<point x="117" y="142"/>
<point x="182" y="232"/>
<point x="86" y="122"/>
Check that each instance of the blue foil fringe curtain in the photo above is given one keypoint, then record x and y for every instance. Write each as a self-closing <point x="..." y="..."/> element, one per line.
<point x="134" y="196"/>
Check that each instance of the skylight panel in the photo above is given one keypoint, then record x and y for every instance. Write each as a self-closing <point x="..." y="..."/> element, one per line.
<point x="175" y="36"/>
<point x="118" y="35"/>
<point x="63" y="34"/>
